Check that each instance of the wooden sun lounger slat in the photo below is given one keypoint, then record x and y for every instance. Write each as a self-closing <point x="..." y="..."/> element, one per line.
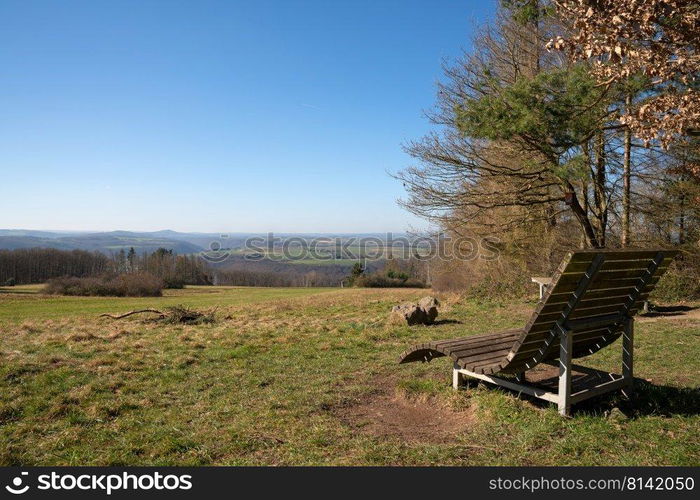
<point x="477" y="339"/>
<point x="603" y="277"/>
<point x="485" y="358"/>
<point x="618" y="265"/>
<point x="535" y="344"/>
<point x="448" y="347"/>
<point x="600" y="284"/>
<point x="583" y="341"/>
<point x="612" y="255"/>
<point x="599" y="294"/>
<point x="551" y="315"/>
<point x="583" y="313"/>
<point x="496" y="346"/>
<point x="590" y="303"/>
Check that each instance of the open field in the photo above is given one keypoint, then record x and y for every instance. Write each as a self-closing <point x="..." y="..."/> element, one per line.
<point x="23" y="302"/>
<point x="309" y="376"/>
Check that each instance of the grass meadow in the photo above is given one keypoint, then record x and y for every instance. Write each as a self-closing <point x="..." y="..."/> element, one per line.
<point x="309" y="377"/>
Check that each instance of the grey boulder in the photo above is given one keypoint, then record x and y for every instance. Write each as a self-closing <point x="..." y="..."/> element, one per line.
<point x="423" y="313"/>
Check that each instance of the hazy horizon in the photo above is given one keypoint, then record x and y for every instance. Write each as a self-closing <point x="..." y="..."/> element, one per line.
<point x="52" y="230"/>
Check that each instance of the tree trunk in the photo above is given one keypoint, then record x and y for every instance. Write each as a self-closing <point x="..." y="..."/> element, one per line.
<point x="599" y="198"/>
<point x="626" y="179"/>
<point x="580" y="214"/>
<point x="681" y="221"/>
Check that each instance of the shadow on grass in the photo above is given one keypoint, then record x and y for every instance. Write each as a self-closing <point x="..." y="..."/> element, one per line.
<point x="445" y="322"/>
<point x="662" y="311"/>
<point x="647" y="400"/>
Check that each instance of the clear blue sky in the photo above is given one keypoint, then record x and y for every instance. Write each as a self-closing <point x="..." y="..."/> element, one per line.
<point x="217" y="115"/>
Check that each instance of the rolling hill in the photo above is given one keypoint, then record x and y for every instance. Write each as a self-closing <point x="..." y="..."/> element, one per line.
<point x="104" y="242"/>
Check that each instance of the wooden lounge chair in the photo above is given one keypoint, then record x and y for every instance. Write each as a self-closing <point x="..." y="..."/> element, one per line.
<point x="591" y="301"/>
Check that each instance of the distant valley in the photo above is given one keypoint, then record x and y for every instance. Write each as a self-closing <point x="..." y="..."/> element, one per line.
<point x="113" y="241"/>
<point x="328" y="266"/>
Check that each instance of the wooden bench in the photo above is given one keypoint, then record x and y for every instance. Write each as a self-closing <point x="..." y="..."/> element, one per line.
<point x="544" y="282"/>
<point x="590" y="303"/>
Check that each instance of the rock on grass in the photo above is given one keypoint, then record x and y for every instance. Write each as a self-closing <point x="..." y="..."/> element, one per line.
<point x="423" y="313"/>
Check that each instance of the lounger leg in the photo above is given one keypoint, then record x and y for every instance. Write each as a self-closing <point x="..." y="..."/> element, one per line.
<point x="628" y="356"/>
<point x="457" y="378"/>
<point x="565" y="347"/>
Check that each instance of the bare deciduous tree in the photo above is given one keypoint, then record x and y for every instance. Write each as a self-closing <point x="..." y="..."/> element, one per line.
<point x="655" y="38"/>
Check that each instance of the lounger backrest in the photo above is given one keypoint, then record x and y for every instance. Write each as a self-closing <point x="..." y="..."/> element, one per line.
<point x="592" y="293"/>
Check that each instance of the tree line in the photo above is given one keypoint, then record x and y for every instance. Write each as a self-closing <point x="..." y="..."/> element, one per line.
<point x="37" y="265"/>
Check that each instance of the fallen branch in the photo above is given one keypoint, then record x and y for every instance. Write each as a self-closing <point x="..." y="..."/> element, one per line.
<point x="175" y="314"/>
<point x="120" y="316"/>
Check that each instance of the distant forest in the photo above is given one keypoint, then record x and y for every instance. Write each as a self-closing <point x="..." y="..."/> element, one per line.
<point x="37" y="265"/>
